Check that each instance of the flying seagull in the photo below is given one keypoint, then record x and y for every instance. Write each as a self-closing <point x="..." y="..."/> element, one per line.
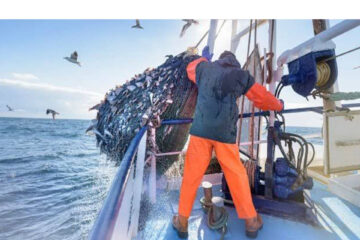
<point x="187" y="25"/>
<point x="73" y="58"/>
<point x="53" y="113"/>
<point x="356" y="67"/>
<point x="137" y="25"/>
<point x="10" y="108"/>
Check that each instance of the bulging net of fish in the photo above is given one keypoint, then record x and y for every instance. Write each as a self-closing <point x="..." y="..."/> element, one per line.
<point x="164" y="91"/>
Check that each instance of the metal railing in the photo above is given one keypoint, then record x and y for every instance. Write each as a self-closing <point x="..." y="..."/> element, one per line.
<point x="105" y="222"/>
<point x="104" y="225"/>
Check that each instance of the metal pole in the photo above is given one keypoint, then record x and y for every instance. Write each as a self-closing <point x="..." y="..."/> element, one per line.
<point x="245" y="31"/>
<point x="152" y="177"/>
<point x="272" y="46"/>
<point x="321" y="40"/>
<point x="212" y="35"/>
<point x="234" y="43"/>
<point x="271" y="130"/>
<point x="138" y="184"/>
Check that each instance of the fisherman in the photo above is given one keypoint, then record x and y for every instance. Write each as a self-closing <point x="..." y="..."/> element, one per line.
<point x="219" y="84"/>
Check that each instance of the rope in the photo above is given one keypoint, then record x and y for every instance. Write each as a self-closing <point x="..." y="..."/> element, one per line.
<point x="338" y="96"/>
<point x="250" y="167"/>
<point x="201" y="39"/>
<point x="323" y="73"/>
<point x="252" y="123"/>
<point x="218" y="224"/>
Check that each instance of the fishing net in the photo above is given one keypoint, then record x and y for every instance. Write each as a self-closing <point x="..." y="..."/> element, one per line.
<point x="164" y="91"/>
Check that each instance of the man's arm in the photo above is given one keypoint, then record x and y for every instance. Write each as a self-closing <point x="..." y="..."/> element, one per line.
<point x="263" y="99"/>
<point x="191" y="68"/>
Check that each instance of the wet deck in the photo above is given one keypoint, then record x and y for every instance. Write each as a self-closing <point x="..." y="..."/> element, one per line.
<point x="339" y="218"/>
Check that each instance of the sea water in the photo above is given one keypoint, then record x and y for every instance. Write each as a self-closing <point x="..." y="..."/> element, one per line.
<point x="52" y="179"/>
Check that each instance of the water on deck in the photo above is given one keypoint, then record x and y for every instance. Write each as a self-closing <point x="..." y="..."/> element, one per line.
<point x="339" y="219"/>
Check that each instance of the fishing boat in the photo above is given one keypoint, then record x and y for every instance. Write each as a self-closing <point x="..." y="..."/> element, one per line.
<point x="325" y="202"/>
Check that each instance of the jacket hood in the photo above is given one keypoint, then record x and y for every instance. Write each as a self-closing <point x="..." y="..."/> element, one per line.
<point x="229" y="61"/>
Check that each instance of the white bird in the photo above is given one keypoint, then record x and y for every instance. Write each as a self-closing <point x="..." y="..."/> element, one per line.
<point x="356" y="67"/>
<point x="188" y="23"/>
<point x="73" y="58"/>
<point x="10" y="108"/>
<point x="53" y="113"/>
<point x="137" y="25"/>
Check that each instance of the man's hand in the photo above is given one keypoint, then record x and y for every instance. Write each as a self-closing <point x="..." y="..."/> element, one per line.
<point x="206" y="53"/>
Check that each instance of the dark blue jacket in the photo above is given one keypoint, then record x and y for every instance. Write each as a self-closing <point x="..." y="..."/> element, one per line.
<point x="219" y="84"/>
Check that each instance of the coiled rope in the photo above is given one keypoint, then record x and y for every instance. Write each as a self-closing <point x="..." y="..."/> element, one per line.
<point x="215" y="224"/>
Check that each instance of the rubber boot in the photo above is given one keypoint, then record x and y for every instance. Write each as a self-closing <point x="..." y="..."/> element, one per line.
<point x="180" y="224"/>
<point x="252" y="226"/>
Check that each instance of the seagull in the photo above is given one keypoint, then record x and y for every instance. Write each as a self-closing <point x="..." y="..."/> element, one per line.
<point x="9" y="108"/>
<point x="52" y="112"/>
<point x="356" y="67"/>
<point x="137" y="25"/>
<point x="73" y="58"/>
<point x="187" y="25"/>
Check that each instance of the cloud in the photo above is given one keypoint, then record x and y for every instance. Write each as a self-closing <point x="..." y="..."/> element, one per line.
<point x="47" y="87"/>
<point x="25" y="76"/>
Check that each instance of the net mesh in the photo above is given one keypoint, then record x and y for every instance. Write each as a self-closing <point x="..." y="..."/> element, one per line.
<point x="164" y="91"/>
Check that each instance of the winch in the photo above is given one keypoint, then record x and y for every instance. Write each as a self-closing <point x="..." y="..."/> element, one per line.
<point x="315" y="70"/>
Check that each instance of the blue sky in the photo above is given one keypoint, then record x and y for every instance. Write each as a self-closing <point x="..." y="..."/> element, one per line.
<point x="34" y="76"/>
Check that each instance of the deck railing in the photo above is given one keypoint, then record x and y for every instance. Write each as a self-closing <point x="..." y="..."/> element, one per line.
<point x="119" y="214"/>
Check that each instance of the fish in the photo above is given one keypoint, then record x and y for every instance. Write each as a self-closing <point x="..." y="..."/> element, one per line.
<point x="149" y="95"/>
<point x="107" y="133"/>
<point x="96" y="107"/>
<point x="98" y="134"/>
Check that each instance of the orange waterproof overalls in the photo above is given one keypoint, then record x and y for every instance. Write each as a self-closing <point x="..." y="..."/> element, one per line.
<point x="199" y="154"/>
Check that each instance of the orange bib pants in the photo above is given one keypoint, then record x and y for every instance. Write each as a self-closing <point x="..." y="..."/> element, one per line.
<point x="197" y="159"/>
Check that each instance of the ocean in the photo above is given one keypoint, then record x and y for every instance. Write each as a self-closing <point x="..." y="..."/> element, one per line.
<point x="53" y="179"/>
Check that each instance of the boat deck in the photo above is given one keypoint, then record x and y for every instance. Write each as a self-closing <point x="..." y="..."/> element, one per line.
<point x="339" y="218"/>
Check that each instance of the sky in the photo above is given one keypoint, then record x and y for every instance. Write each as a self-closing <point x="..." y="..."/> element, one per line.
<point x="34" y="76"/>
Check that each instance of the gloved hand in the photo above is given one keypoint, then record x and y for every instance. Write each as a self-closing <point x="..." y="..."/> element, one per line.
<point x="206" y="53"/>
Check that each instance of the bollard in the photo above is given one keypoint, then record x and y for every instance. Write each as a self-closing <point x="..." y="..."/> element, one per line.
<point x="207" y="186"/>
<point x="206" y="200"/>
<point x="218" y="206"/>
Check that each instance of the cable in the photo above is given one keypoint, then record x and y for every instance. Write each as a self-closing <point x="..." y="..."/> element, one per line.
<point x="341" y="54"/>
<point x="278" y="89"/>
<point x="246" y="154"/>
<point x="313" y="156"/>
<point x="220" y="29"/>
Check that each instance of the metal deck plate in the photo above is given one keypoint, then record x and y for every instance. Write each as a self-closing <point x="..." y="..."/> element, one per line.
<point x="341" y="220"/>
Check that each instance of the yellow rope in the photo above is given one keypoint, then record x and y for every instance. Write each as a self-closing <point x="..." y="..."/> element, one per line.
<point x="323" y="73"/>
